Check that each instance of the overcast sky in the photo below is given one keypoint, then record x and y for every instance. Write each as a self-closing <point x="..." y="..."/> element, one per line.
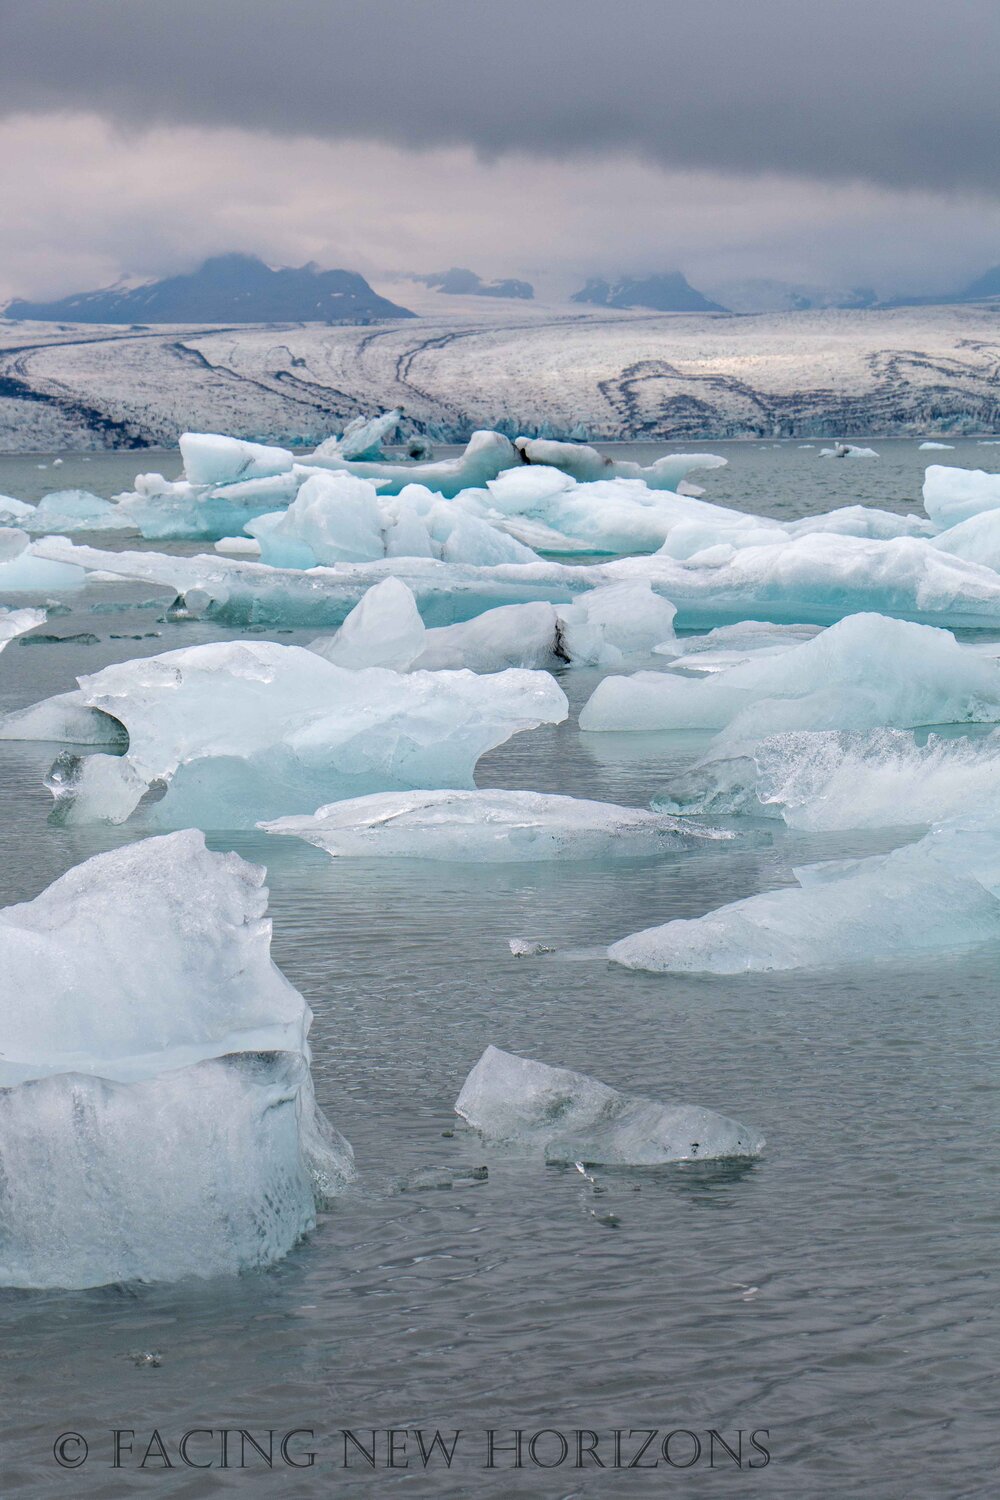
<point x="829" y="141"/>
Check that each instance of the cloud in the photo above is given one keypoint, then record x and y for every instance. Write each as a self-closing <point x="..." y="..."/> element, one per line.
<point x="160" y="200"/>
<point x="900" y="93"/>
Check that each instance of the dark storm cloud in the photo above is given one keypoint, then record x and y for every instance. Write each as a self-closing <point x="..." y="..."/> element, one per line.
<point x="899" y="92"/>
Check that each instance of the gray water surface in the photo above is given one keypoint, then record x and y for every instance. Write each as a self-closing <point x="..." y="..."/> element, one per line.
<point x="840" y="1293"/>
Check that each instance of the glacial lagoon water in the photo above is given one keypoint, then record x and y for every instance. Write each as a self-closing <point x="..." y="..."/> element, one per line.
<point x="839" y="1294"/>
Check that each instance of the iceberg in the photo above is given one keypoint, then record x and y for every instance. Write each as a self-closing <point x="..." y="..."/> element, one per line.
<point x="815" y="579"/>
<point x="954" y="495"/>
<point x="606" y="627"/>
<point x="491" y="826"/>
<point x="977" y="539"/>
<point x="566" y="1117"/>
<point x="847" y="450"/>
<point x="337" y="518"/>
<point x="925" y="447"/>
<point x="823" y="780"/>
<point x="23" y="572"/>
<point x="229" y="733"/>
<point x="15" y="622"/>
<point x="486" y="455"/>
<point x="164" y="510"/>
<point x="170" y="1078"/>
<point x="210" y="458"/>
<point x="14" y="512"/>
<point x="938" y="895"/>
<point x="584" y="463"/>
<point x="76" y="510"/>
<point x="363" y="437"/>
<point x="862" y="673"/>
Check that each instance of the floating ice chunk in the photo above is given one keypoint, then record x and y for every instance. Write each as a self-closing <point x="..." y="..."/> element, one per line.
<point x="163" y="510"/>
<point x="862" y="673"/>
<point x="333" y="518"/>
<point x="937" y="895"/>
<point x="237" y="731"/>
<point x="14" y="512"/>
<point x="22" y="572"/>
<point x="619" y="623"/>
<point x="384" y="630"/>
<point x="847" y="450"/>
<point x="64" y="719"/>
<point x="481" y="826"/>
<point x="728" y="645"/>
<point x="585" y="463"/>
<point x="486" y="454"/>
<point x="171" y="1076"/>
<point x="247" y="546"/>
<point x="210" y="458"/>
<point x="15" y="622"/>
<point x="823" y="780"/>
<point x="861" y="521"/>
<point x="567" y="1117"/>
<point x="976" y="540"/>
<point x="76" y="510"/>
<point x="953" y="495"/>
<point x="924" y="447"/>
<point x="363" y="437"/>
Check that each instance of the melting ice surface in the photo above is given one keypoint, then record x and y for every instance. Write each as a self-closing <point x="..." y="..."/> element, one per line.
<point x="235" y="731"/>
<point x="491" y="825"/>
<point x="568" y="1117"/>
<point x="939" y="894"/>
<point x="153" y="1053"/>
<point x="827" y="780"/>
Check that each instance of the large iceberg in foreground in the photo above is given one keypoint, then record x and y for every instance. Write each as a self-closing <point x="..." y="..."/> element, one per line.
<point x="157" y="1117"/>
<point x="232" y="732"/>
<point x="568" y="1117"/>
<point x="937" y="895"/>
<point x="495" y="825"/>
<point x="823" y="780"/>
<point x="862" y="673"/>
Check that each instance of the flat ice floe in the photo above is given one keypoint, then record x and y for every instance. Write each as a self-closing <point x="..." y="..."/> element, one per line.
<point x="497" y="825"/>
<point x="938" y="895"/>
<point x="233" y="732"/>
<point x="862" y="673"/>
<point x="566" y="1117"/>
<point x="825" y="780"/>
<point x="170" y="1080"/>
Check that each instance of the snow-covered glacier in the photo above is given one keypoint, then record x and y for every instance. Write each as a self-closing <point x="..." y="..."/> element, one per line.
<point x="223" y="735"/>
<point x="157" y="1116"/>
<point x="567" y="1117"/>
<point x="491" y="826"/>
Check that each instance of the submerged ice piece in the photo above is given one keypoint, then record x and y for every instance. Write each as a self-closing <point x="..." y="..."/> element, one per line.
<point x="568" y="1117"/>
<point x="236" y="731"/>
<point x="170" y="1077"/>
<point x="938" y="895"/>
<point x="484" y="826"/>
<point x="862" y="673"/>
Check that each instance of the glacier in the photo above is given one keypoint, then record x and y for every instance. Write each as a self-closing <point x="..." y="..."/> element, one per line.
<point x="490" y="826"/>
<point x="566" y="1117"/>
<point x="152" y="1052"/>
<point x="938" y="895"/>
<point x="864" y="672"/>
<point x="225" y="734"/>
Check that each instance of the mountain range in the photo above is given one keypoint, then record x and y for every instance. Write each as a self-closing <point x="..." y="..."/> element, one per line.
<point x="225" y="289"/>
